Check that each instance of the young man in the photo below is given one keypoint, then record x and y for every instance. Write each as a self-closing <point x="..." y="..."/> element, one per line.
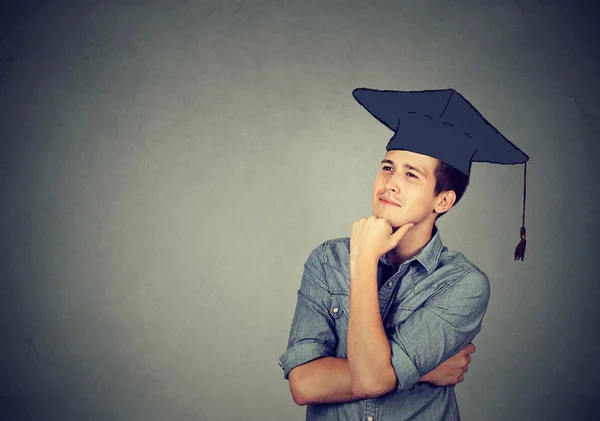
<point x="384" y="319"/>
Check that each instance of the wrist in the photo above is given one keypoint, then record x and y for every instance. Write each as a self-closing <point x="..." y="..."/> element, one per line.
<point x="363" y="268"/>
<point x="364" y="261"/>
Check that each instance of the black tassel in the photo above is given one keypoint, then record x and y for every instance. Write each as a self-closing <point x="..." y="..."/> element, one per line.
<point x="520" y="250"/>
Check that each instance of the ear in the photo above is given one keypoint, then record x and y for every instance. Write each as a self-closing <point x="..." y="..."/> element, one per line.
<point x="445" y="200"/>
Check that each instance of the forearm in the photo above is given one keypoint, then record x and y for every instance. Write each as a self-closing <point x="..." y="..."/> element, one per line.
<point x="369" y="353"/>
<point x="324" y="380"/>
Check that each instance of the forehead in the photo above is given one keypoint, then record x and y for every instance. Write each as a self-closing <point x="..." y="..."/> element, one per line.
<point x="423" y="162"/>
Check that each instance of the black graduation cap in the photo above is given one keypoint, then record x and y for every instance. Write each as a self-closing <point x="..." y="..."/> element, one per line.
<point x="444" y="125"/>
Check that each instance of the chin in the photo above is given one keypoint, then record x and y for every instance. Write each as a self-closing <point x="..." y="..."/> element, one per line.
<point x="394" y="222"/>
<point x="390" y="218"/>
<point x="395" y="225"/>
<point x="398" y="222"/>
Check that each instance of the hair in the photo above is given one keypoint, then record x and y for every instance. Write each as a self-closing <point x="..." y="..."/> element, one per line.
<point x="449" y="178"/>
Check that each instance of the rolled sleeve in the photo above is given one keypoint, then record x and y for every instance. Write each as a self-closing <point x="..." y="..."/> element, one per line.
<point x="406" y="372"/>
<point x="446" y="323"/>
<point x="300" y="354"/>
<point x="312" y="334"/>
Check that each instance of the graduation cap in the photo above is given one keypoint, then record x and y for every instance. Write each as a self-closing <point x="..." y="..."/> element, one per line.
<point x="442" y="124"/>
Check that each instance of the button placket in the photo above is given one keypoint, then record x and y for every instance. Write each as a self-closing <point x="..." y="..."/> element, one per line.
<point x="387" y="297"/>
<point x="370" y="413"/>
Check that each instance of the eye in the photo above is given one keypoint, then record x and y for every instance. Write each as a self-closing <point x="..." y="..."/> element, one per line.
<point x="386" y="168"/>
<point x="410" y="174"/>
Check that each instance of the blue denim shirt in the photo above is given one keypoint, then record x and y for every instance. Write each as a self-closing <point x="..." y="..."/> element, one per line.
<point x="431" y="308"/>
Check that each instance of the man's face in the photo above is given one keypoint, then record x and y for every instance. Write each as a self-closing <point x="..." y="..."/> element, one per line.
<point x="403" y="190"/>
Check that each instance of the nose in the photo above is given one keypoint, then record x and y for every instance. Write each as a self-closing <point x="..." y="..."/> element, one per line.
<point x="391" y="185"/>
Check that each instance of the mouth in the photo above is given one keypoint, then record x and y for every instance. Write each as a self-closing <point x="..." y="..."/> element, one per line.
<point x="388" y="202"/>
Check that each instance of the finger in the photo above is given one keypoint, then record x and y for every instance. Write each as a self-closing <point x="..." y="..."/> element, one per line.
<point x="401" y="232"/>
<point x="471" y="348"/>
<point x="461" y="378"/>
<point x="466" y="368"/>
<point x="356" y="224"/>
<point x="468" y="358"/>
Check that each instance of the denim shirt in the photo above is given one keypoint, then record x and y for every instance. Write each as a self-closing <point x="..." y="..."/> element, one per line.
<point x="431" y="308"/>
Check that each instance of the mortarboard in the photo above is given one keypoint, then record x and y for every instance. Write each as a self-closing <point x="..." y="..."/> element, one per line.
<point x="442" y="124"/>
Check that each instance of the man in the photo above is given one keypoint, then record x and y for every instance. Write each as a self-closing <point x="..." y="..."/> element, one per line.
<point x="384" y="319"/>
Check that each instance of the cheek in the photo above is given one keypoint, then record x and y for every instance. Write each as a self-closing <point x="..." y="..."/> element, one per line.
<point x="377" y="189"/>
<point x="424" y="203"/>
<point x="416" y="200"/>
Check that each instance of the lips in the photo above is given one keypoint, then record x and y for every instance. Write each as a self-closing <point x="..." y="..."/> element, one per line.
<point x="387" y="201"/>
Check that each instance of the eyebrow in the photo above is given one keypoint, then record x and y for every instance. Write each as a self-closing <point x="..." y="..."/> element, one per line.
<point x="410" y="167"/>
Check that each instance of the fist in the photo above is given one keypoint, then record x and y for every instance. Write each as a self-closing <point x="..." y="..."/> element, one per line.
<point x="372" y="237"/>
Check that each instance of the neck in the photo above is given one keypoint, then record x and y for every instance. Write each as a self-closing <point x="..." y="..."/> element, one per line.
<point x="410" y="245"/>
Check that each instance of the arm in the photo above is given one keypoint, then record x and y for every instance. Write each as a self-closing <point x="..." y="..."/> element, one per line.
<point x="369" y="352"/>
<point x="430" y="336"/>
<point x="328" y="379"/>
<point x="445" y="325"/>
<point x="315" y="375"/>
<point x="451" y="371"/>
<point x="434" y="340"/>
<point x="324" y="380"/>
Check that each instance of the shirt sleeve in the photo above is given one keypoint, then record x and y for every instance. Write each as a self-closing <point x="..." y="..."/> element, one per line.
<point x="312" y="334"/>
<point x="445" y="324"/>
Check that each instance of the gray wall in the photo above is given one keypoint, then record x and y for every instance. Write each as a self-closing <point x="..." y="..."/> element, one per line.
<point x="168" y="166"/>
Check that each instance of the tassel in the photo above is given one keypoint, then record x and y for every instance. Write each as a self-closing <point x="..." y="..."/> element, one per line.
<point x="520" y="250"/>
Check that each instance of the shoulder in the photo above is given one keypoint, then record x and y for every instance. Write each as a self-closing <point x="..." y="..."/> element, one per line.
<point x="331" y="259"/>
<point x="332" y="251"/>
<point x="456" y="261"/>
<point x="462" y="272"/>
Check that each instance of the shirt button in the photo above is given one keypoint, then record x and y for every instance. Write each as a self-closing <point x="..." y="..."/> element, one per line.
<point x="390" y="283"/>
<point x="335" y="309"/>
<point x="369" y="418"/>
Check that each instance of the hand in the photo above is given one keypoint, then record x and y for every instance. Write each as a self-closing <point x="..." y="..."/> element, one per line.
<point x="452" y="370"/>
<point x="372" y="237"/>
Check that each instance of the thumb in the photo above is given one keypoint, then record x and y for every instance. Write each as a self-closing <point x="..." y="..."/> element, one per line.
<point x="400" y="233"/>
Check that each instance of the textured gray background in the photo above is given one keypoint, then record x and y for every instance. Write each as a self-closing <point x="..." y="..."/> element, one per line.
<point x="167" y="166"/>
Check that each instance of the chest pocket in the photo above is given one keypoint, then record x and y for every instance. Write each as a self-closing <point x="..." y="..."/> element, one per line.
<point x="340" y="305"/>
<point x="339" y="311"/>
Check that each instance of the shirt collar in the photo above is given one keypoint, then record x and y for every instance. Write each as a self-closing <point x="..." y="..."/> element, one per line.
<point x="429" y="255"/>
